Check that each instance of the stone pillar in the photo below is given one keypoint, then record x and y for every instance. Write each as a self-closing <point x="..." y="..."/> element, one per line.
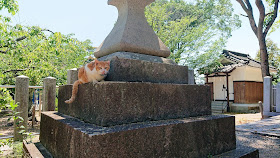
<point x="49" y="94"/>
<point x="21" y="98"/>
<point x="72" y="76"/>
<point x="191" y="77"/>
<point x="132" y="33"/>
<point x="278" y="97"/>
<point x="267" y="93"/>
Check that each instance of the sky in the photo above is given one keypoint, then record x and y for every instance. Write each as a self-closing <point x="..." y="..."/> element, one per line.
<point x="94" y="19"/>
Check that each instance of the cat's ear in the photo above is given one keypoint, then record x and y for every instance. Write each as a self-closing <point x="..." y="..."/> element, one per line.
<point x="108" y="62"/>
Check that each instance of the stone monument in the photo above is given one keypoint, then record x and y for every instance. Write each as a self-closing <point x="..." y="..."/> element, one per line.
<point x="145" y="109"/>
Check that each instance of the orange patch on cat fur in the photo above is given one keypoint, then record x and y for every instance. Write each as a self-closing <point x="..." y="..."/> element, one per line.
<point x="94" y="71"/>
<point x="91" y="65"/>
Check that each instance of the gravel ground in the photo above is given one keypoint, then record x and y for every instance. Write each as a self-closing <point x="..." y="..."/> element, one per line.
<point x="269" y="147"/>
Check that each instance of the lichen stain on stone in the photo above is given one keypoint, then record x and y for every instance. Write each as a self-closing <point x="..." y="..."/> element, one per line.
<point x="168" y="133"/>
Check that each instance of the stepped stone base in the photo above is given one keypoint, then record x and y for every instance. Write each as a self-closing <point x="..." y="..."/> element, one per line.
<point x="65" y="136"/>
<point x="132" y="70"/>
<point x="113" y="103"/>
<point x="239" y="152"/>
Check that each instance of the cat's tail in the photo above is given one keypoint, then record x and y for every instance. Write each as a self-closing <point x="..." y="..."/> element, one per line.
<point x="74" y="92"/>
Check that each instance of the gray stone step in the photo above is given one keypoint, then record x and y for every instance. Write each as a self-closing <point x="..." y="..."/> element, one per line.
<point x="131" y="70"/>
<point x="113" y="103"/>
<point x="240" y="152"/>
<point x="196" y="137"/>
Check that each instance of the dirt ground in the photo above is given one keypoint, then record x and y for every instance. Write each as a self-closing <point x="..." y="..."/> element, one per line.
<point x="7" y="131"/>
<point x="246" y="118"/>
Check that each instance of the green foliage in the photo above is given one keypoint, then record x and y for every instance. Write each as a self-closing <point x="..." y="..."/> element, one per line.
<point x="273" y="54"/>
<point x="37" y="53"/>
<point x="10" y="5"/>
<point x="194" y="32"/>
<point x="269" y="4"/>
<point x="273" y="59"/>
<point x="16" y="146"/>
<point x="5" y="98"/>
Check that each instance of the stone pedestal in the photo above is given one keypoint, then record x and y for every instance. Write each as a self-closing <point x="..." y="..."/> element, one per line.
<point x="153" y="112"/>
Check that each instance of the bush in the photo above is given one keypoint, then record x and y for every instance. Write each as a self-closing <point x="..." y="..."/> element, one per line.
<point x="5" y="99"/>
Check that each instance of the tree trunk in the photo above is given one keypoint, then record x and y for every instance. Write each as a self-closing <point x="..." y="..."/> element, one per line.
<point x="264" y="56"/>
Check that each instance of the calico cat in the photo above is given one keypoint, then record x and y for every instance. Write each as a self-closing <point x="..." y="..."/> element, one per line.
<point x="94" y="71"/>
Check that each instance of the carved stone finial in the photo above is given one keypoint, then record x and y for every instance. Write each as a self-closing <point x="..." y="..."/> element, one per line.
<point x="132" y="32"/>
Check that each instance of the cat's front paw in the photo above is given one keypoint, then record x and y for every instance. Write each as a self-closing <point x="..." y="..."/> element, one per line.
<point x="94" y="82"/>
<point x="68" y="101"/>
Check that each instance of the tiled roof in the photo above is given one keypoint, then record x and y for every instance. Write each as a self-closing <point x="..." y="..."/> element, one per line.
<point x="236" y="59"/>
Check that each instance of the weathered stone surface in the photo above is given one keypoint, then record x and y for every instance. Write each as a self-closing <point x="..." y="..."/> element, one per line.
<point x="35" y="150"/>
<point x="240" y="152"/>
<point x="30" y="150"/>
<point x="72" y="76"/>
<point x="22" y="96"/>
<point x="131" y="70"/>
<point x="65" y="136"/>
<point x="49" y="94"/>
<point x="111" y="103"/>
<point x="132" y="33"/>
<point x="137" y="56"/>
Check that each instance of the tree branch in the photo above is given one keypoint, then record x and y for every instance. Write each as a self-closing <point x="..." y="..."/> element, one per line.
<point x="249" y="12"/>
<point x="17" y="40"/>
<point x="261" y="8"/>
<point x="17" y="70"/>
<point x="48" y="30"/>
<point x="21" y="38"/>
<point x="3" y="52"/>
<point x="244" y="15"/>
<point x="242" y="5"/>
<point x="273" y="17"/>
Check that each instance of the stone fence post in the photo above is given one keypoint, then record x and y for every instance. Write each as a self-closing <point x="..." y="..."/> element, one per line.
<point x="72" y="76"/>
<point x="278" y="97"/>
<point x="49" y="94"/>
<point x="191" y="79"/>
<point x="267" y="95"/>
<point x="21" y="98"/>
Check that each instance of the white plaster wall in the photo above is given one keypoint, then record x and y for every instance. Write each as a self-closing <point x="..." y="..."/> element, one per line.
<point x="253" y="74"/>
<point x="244" y="73"/>
<point x="219" y="93"/>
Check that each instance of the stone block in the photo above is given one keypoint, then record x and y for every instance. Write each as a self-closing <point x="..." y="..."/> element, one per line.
<point x="137" y="56"/>
<point x="132" y="33"/>
<point x="65" y="136"/>
<point x="112" y="103"/>
<point x="240" y="152"/>
<point x="131" y="70"/>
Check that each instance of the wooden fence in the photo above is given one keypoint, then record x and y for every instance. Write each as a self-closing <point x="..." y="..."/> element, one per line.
<point x="271" y="98"/>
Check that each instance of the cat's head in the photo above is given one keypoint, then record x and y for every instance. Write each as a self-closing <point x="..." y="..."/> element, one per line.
<point x="102" y="67"/>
